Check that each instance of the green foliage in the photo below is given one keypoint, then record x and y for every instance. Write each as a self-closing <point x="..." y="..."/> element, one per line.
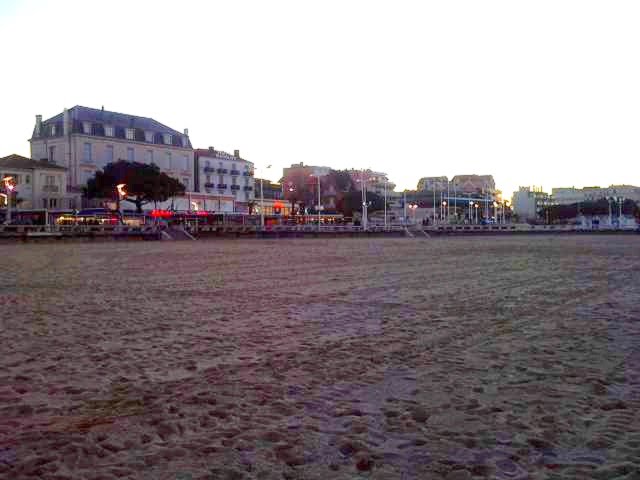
<point x="143" y="183"/>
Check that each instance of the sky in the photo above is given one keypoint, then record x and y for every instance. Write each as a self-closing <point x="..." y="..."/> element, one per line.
<point x="535" y="93"/>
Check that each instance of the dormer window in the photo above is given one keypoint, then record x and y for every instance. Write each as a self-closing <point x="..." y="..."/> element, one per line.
<point x="167" y="138"/>
<point x="131" y="134"/>
<point x="108" y="131"/>
<point x="86" y="128"/>
<point x="53" y="130"/>
<point x="148" y="136"/>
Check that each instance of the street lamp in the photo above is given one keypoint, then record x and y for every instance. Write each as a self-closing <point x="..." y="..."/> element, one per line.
<point x="413" y="208"/>
<point x="444" y="208"/>
<point x="9" y="186"/>
<point x="495" y="211"/>
<point x="476" y="207"/>
<point x="319" y="200"/>
<point x="470" y="211"/>
<point x="262" y="200"/>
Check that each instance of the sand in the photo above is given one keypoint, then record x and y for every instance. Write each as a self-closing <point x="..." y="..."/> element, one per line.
<point x="454" y="358"/>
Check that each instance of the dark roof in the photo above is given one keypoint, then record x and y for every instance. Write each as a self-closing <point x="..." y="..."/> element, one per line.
<point x="18" y="161"/>
<point x="212" y="153"/>
<point x="124" y="120"/>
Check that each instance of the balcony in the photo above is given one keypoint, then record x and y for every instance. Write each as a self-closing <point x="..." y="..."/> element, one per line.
<point x="222" y="171"/>
<point x="222" y="186"/>
<point x="209" y="170"/>
<point x="50" y="188"/>
<point x="248" y="189"/>
<point x="209" y="185"/>
<point x="235" y="187"/>
<point x="235" y="173"/>
<point x="247" y="174"/>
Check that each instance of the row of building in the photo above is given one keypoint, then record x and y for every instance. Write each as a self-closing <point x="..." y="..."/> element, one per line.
<point x="529" y="202"/>
<point x="67" y="150"/>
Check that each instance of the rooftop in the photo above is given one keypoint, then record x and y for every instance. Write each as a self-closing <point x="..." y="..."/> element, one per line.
<point x="24" y="163"/>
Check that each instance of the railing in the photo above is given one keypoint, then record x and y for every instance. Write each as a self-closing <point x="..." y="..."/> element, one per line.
<point x="222" y="171"/>
<point x="235" y="187"/>
<point x="209" y="169"/>
<point x="235" y="172"/>
<point x="247" y="174"/>
<point x="50" y="188"/>
<point x="222" y="186"/>
<point x="209" y="185"/>
<point x="248" y="189"/>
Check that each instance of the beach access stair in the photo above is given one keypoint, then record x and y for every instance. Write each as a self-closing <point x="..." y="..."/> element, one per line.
<point x="176" y="233"/>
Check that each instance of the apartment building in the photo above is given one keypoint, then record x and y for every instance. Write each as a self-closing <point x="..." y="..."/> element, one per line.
<point x="39" y="184"/>
<point x="84" y="140"/>
<point x="527" y="202"/>
<point x="572" y="195"/>
<point x="224" y="182"/>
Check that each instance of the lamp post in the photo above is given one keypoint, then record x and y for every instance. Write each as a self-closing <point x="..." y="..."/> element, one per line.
<point x="433" y="187"/>
<point x="445" y="207"/>
<point x="262" y="200"/>
<point x="319" y="206"/>
<point x="413" y="208"/>
<point x="470" y="211"/>
<point x="476" y="207"/>
<point x="120" y="193"/>
<point x="9" y="187"/>
<point x="385" y="202"/>
<point x="495" y="211"/>
<point x="448" y="201"/>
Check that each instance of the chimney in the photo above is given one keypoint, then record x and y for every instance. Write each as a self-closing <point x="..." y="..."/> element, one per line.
<point x="186" y="132"/>
<point x="211" y="149"/>
<point x="103" y="108"/>
<point x="236" y="153"/>
<point x="66" y="122"/>
<point x="38" y="125"/>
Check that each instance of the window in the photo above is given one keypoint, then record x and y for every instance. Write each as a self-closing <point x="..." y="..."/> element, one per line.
<point x="53" y="203"/>
<point x="44" y="203"/>
<point x="86" y="156"/>
<point x="52" y="154"/>
<point x="208" y="178"/>
<point x="27" y="179"/>
<point x="167" y="161"/>
<point x="53" y="130"/>
<point x="108" y="154"/>
<point x="185" y="162"/>
<point x="86" y="128"/>
<point x="131" y="134"/>
<point x="108" y="131"/>
<point x="149" y="156"/>
<point x="167" y="138"/>
<point x="130" y="154"/>
<point x="185" y="181"/>
<point x="207" y="164"/>
<point x="50" y="180"/>
<point x="148" y="136"/>
<point x="220" y="179"/>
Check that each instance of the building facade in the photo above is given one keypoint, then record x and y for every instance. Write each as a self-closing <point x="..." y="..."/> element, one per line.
<point x="273" y="200"/>
<point x="84" y="140"/>
<point x="432" y="183"/>
<point x="224" y="180"/>
<point x="39" y="184"/>
<point x="572" y="195"/>
<point x="473" y="184"/>
<point x="377" y="182"/>
<point x="527" y="202"/>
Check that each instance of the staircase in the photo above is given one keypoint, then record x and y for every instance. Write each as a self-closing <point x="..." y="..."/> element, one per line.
<point x="176" y="233"/>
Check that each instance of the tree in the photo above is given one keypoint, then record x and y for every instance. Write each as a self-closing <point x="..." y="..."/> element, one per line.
<point x="351" y="202"/>
<point x="144" y="183"/>
<point x="298" y="189"/>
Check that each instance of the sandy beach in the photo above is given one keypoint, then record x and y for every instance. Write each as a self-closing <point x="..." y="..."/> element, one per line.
<point x="443" y="358"/>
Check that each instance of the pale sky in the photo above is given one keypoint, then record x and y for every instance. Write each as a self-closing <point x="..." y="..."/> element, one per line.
<point x="533" y="92"/>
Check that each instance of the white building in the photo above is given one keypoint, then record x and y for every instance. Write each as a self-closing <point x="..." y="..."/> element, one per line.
<point x="527" y="202"/>
<point x="84" y="140"/>
<point x="572" y="195"/>
<point x="39" y="184"/>
<point x="224" y="182"/>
